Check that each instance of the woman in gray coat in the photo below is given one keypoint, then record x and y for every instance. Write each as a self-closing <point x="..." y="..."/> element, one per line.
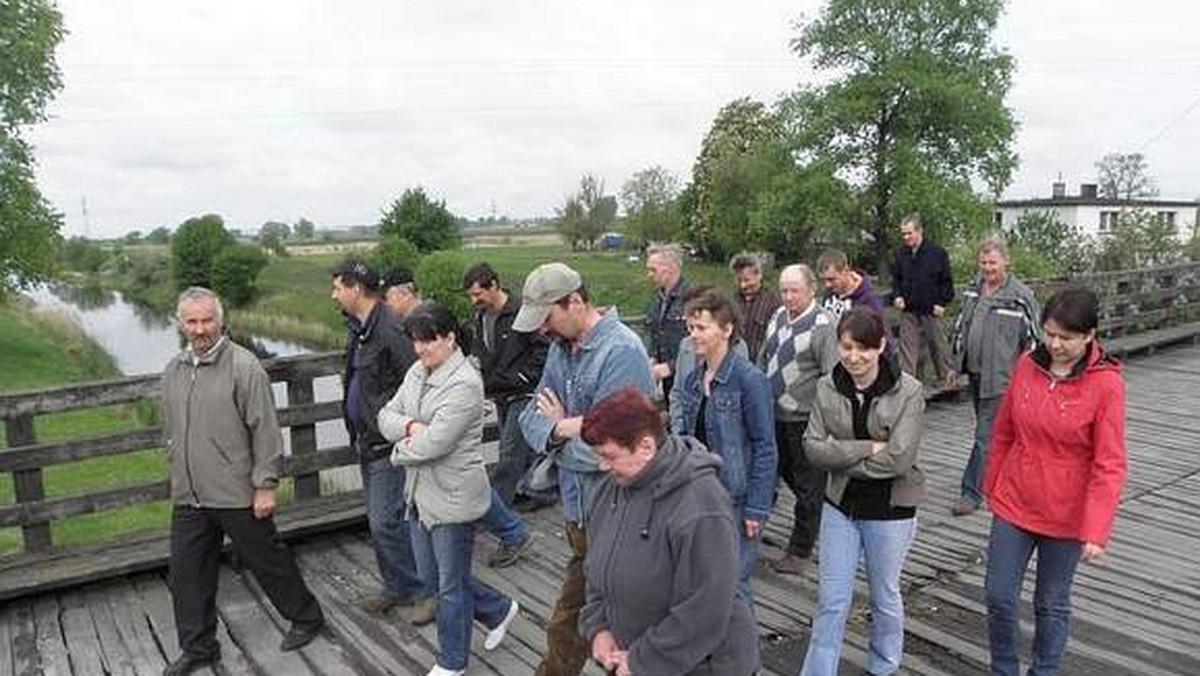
<point x="436" y="420"/>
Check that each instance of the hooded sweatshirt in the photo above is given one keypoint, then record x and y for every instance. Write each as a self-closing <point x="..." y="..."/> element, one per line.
<point x="662" y="569"/>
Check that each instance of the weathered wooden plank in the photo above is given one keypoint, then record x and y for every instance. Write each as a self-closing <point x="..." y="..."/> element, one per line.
<point x="80" y="633"/>
<point x="304" y="437"/>
<point x="7" y="642"/>
<point x="23" y="639"/>
<point x="133" y="629"/>
<point x="51" y="648"/>
<point x="46" y="455"/>
<point x="154" y="599"/>
<point x="46" y="511"/>
<point x="113" y="652"/>
<point x="252" y="628"/>
<point x="27" y="484"/>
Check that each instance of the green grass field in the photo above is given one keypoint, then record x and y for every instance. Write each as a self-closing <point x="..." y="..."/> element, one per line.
<point x="294" y="292"/>
<point x="45" y="350"/>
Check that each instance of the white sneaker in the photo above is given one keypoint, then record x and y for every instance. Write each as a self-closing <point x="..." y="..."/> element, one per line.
<point x="495" y="636"/>
<point x="439" y="670"/>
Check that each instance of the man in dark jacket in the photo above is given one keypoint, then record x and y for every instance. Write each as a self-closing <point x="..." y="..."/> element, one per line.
<point x="223" y="455"/>
<point x="922" y="287"/>
<point x="755" y="302"/>
<point x="378" y="355"/>
<point x="662" y="561"/>
<point x="665" y="322"/>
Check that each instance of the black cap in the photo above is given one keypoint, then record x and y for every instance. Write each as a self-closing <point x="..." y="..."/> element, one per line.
<point x="354" y="270"/>
<point x="397" y="276"/>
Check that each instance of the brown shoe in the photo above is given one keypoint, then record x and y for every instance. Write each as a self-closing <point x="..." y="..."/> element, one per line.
<point x="964" y="507"/>
<point x="788" y="564"/>
<point x="378" y="604"/>
<point x="424" y="611"/>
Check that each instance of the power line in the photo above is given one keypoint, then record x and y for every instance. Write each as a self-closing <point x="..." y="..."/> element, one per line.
<point x="1167" y="127"/>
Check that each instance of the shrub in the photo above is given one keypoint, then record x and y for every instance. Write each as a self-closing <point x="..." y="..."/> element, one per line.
<point x="194" y="249"/>
<point x="393" y="251"/>
<point x="234" y="272"/>
<point x="439" y="277"/>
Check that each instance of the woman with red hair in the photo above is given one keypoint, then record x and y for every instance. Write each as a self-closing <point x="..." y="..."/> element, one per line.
<point x="662" y="561"/>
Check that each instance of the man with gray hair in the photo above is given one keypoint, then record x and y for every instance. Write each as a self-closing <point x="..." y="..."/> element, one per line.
<point x="664" y="320"/>
<point x="800" y="347"/>
<point x="998" y="322"/>
<point x="224" y="451"/>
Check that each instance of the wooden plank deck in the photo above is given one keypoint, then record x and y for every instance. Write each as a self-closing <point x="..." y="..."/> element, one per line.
<point x="1137" y="612"/>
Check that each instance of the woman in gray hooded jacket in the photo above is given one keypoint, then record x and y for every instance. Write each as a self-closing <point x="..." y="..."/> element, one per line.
<point x="662" y="562"/>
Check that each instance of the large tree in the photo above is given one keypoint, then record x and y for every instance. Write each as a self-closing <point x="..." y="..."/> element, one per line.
<point x="30" y="31"/>
<point x="195" y="248"/>
<point x="651" y="209"/>
<point x="426" y="223"/>
<point x="1124" y="176"/>
<point x="913" y="105"/>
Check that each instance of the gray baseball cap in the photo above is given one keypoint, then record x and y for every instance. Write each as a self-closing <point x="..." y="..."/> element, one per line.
<point x="545" y="286"/>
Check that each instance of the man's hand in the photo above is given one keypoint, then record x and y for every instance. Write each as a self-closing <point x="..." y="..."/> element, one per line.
<point x="753" y="528"/>
<point x="549" y="405"/>
<point x="661" y="370"/>
<point x="899" y="303"/>
<point x="568" y="428"/>
<point x="878" y="447"/>
<point x="938" y="310"/>
<point x="415" y="429"/>
<point x="264" y="502"/>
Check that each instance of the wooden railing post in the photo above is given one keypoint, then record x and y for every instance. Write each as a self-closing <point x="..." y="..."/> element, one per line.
<point x="304" y="437"/>
<point x="27" y="483"/>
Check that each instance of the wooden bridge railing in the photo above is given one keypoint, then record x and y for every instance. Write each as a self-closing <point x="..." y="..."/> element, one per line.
<point x="1141" y="309"/>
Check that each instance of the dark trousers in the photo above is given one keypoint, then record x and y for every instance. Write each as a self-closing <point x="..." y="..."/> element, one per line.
<point x="917" y="331"/>
<point x="515" y="454"/>
<point x="806" y="482"/>
<point x="566" y="650"/>
<point x="196" y="535"/>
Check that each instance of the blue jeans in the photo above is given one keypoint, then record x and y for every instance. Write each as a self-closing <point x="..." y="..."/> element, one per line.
<point x="985" y="419"/>
<point x="882" y="546"/>
<point x="501" y="522"/>
<point x="444" y="553"/>
<point x="747" y="560"/>
<point x="515" y="454"/>
<point x="383" y="493"/>
<point x="1009" y="550"/>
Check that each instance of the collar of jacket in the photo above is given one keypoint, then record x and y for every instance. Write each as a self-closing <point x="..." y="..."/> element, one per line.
<point x="363" y="330"/>
<point x="887" y="380"/>
<point x="511" y="307"/>
<point x="723" y="371"/>
<point x="599" y="332"/>
<point x="442" y="373"/>
<point x="1095" y="359"/>
<point x="674" y="291"/>
<point x="977" y="286"/>
<point x="209" y="357"/>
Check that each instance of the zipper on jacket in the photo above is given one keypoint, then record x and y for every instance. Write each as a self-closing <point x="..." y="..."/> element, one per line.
<point x="187" y="435"/>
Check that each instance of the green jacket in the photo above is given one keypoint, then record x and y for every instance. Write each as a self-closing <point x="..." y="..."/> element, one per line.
<point x="897" y="417"/>
<point x="445" y="476"/>
<point x="222" y="437"/>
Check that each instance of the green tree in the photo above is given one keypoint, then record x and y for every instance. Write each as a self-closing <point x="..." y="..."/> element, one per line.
<point x="194" y="248"/>
<point x="1124" y="176"/>
<point x="30" y="31"/>
<point x="1138" y="239"/>
<point x="83" y="255"/>
<point x="426" y="223"/>
<point x="651" y="209"/>
<point x="1040" y="234"/>
<point x="439" y="276"/>
<point x="392" y="251"/>
<point x="914" y="97"/>
<point x="304" y="230"/>
<point x="159" y="235"/>
<point x="272" y="235"/>
<point x="571" y="221"/>
<point x="235" y="271"/>
<point x="600" y="210"/>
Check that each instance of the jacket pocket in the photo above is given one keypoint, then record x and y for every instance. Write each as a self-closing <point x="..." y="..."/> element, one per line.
<point x="729" y="442"/>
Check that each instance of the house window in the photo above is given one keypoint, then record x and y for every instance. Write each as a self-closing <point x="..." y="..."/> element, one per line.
<point x="1167" y="218"/>
<point x="1108" y="220"/>
<point x="998" y="220"/>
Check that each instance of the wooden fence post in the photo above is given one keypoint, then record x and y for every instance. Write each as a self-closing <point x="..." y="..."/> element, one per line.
<point x="304" y="437"/>
<point x="27" y="483"/>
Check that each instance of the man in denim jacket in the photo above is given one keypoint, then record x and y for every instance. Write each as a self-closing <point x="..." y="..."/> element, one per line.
<point x="593" y="354"/>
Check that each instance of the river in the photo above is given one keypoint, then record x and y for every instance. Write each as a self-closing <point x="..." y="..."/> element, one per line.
<point x="141" y="341"/>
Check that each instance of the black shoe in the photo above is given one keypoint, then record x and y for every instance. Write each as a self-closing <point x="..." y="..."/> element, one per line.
<point x="507" y="554"/>
<point x="531" y="505"/>
<point x="189" y="662"/>
<point x="300" y="635"/>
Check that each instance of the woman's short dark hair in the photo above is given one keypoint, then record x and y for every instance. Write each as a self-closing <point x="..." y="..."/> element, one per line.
<point x="862" y="325"/>
<point x="713" y="301"/>
<point x="429" y="321"/>
<point x="625" y="416"/>
<point x="1074" y="308"/>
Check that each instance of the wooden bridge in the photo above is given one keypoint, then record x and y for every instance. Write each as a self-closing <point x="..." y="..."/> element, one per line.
<point x="104" y="608"/>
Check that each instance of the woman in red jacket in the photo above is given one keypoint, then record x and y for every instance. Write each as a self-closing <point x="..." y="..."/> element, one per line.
<point x="1053" y="479"/>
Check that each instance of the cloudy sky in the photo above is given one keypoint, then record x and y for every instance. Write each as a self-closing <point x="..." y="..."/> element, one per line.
<point x="281" y="109"/>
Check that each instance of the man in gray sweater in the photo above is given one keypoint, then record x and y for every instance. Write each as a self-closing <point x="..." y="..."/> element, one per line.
<point x="223" y="454"/>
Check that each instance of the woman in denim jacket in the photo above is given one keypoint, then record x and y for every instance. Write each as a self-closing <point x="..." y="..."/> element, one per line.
<point x="728" y="406"/>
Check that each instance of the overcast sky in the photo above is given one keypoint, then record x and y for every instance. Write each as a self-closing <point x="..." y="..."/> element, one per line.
<point x="276" y="110"/>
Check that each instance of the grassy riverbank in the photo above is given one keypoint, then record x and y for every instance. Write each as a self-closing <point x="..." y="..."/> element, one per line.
<point x="46" y="349"/>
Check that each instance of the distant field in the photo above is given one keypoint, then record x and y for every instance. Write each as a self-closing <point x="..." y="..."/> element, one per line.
<point x="295" y="290"/>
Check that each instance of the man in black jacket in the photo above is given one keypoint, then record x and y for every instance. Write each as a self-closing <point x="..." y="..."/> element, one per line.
<point x="922" y="287"/>
<point x="511" y="363"/>
<point x="378" y="355"/>
<point x="665" y="322"/>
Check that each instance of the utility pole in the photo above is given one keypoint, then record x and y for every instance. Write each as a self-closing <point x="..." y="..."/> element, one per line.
<point x="87" y="225"/>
